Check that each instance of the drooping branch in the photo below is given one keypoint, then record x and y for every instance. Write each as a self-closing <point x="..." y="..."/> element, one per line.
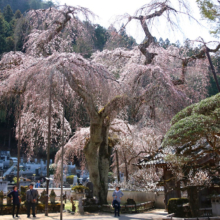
<point x="200" y="55"/>
<point x="49" y="24"/>
<point x="75" y="85"/>
<point x="150" y="39"/>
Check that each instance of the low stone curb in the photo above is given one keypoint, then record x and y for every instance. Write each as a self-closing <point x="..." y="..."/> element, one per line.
<point x="126" y="208"/>
<point x="199" y="218"/>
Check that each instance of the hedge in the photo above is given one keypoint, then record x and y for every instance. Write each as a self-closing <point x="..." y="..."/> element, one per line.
<point x="175" y="205"/>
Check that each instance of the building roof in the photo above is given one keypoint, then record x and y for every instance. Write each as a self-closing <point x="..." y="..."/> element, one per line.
<point x="201" y="151"/>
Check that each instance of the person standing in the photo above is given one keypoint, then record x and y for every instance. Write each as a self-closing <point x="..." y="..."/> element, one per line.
<point x="31" y="198"/>
<point x="16" y="200"/>
<point x="117" y="194"/>
<point x="38" y="184"/>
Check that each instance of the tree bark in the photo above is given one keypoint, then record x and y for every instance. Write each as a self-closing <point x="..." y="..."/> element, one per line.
<point x="104" y="158"/>
<point x="92" y="155"/>
<point x="97" y="155"/>
<point x="193" y="200"/>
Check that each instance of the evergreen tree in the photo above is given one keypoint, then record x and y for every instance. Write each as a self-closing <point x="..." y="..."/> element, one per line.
<point x="177" y="44"/>
<point x="8" y="13"/>
<point x="161" y="42"/>
<point x="2" y="44"/>
<point x="2" y="25"/>
<point x="2" y="34"/>
<point x="101" y="37"/>
<point x="18" y="14"/>
<point x="167" y="43"/>
<point x="9" y="44"/>
<point x="35" y="4"/>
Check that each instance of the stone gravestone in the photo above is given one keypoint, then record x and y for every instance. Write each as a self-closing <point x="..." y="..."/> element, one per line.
<point x="75" y="180"/>
<point x="89" y="192"/>
<point x="90" y="204"/>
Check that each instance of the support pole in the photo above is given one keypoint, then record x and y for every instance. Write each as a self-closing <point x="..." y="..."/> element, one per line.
<point x="212" y="68"/>
<point x="48" y="148"/>
<point x="61" y="194"/>
<point x="19" y="140"/>
<point x="117" y="164"/>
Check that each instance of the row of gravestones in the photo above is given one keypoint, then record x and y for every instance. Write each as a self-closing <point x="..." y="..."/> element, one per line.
<point x="41" y="197"/>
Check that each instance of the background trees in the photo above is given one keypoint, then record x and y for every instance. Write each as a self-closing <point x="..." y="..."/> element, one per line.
<point x="24" y="5"/>
<point x="210" y="11"/>
<point x="110" y="86"/>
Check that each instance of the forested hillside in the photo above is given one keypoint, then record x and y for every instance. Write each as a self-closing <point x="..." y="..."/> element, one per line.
<point x="13" y="26"/>
<point x="14" y="30"/>
<point x="24" y="5"/>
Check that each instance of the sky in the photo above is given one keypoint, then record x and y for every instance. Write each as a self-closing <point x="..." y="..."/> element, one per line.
<point x="108" y="10"/>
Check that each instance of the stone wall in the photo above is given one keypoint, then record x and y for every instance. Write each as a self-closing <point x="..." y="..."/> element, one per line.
<point x="139" y="197"/>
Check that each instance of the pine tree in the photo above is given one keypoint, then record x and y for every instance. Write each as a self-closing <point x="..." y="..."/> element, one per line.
<point x="2" y="25"/>
<point x="18" y="14"/>
<point x="101" y="36"/>
<point x="8" y="13"/>
<point x="9" y="44"/>
<point x="167" y="43"/>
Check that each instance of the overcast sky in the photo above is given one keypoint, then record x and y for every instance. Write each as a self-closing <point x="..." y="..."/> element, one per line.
<point x="108" y="10"/>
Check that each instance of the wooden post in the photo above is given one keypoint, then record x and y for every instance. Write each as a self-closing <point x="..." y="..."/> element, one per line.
<point x="19" y="140"/>
<point x="212" y="68"/>
<point x="48" y="148"/>
<point x="117" y="164"/>
<point x="126" y="166"/>
<point x="61" y="194"/>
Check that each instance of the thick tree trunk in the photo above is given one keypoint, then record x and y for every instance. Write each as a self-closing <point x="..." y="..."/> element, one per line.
<point x="193" y="200"/>
<point x="91" y="154"/>
<point x="97" y="157"/>
<point x="92" y="158"/>
<point x="104" y="158"/>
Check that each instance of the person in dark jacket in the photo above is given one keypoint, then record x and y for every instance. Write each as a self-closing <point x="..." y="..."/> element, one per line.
<point x="16" y="200"/>
<point x="31" y="198"/>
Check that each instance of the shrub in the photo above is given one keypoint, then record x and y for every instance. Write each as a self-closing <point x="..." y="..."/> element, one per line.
<point x="69" y="179"/>
<point x="79" y="188"/>
<point x="23" y="193"/>
<point x="42" y="197"/>
<point x="52" y="168"/>
<point x="8" y="199"/>
<point x="52" y="197"/>
<point x="1" y="197"/>
<point x="15" y="180"/>
<point x="175" y="205"/>
<point x="52" y="193"/>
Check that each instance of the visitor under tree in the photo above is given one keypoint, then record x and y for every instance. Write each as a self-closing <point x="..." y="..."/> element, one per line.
<point x="117" y="194"/>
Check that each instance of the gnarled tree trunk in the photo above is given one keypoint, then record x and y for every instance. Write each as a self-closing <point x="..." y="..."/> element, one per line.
<point x="92" y="155"/>
<point x="104" y="158"/>
<point x="98" y="157"/>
